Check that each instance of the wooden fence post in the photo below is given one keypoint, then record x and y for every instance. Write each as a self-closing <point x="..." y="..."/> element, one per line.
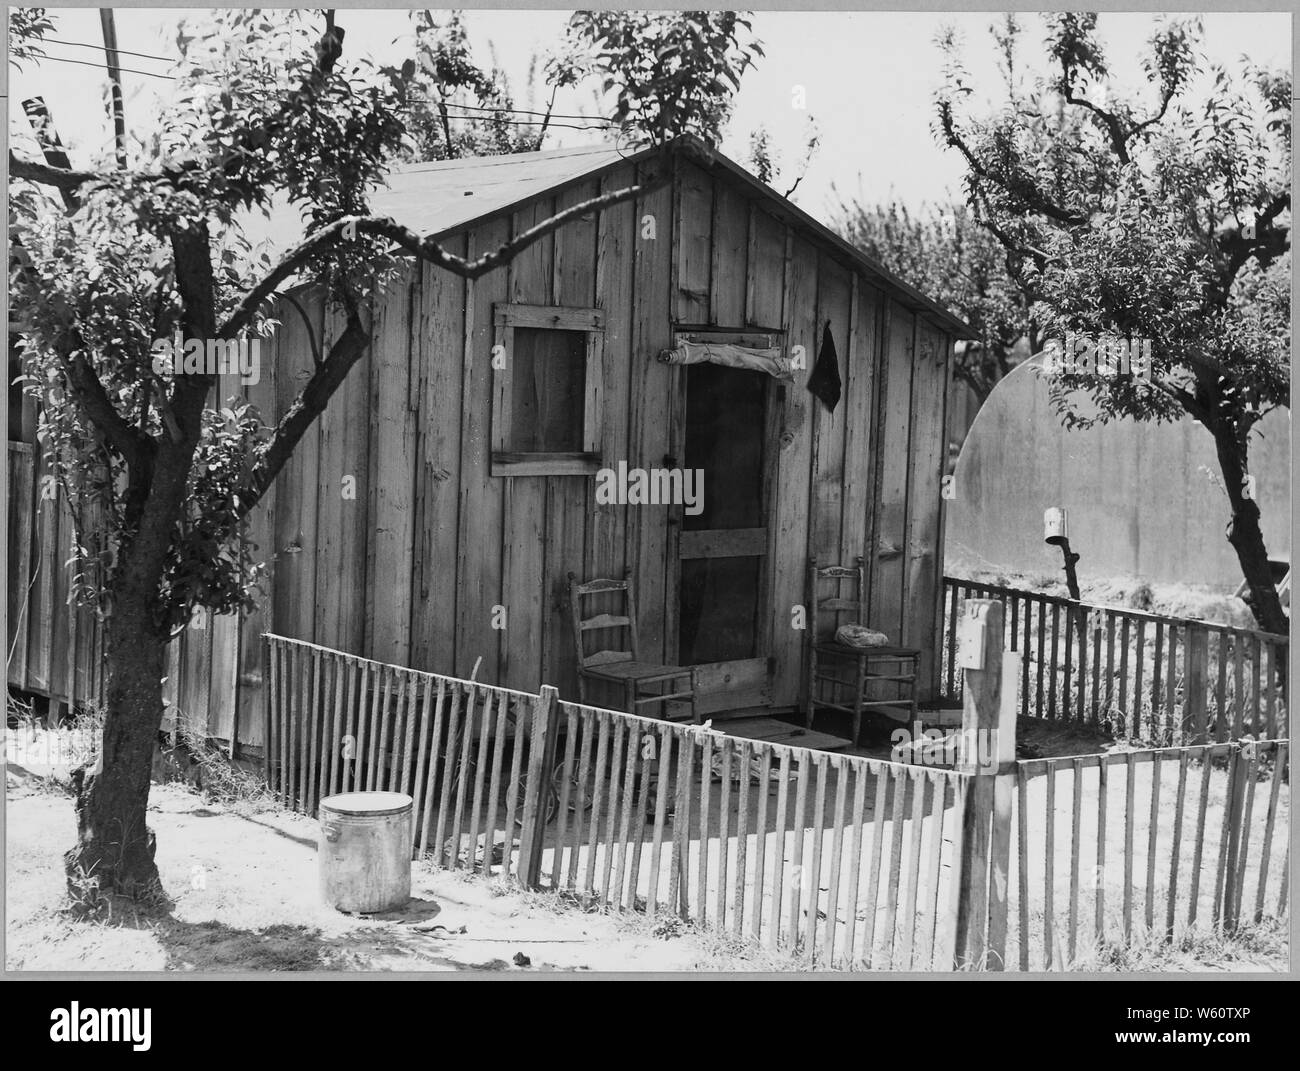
<point x="1195" y="684"/>
<point x="980" y="656"/>
<point x="999" y="758"/>
<point x="541" y="751"/>
<point x="267" y="654"/>
<point x="1238" y="774"/>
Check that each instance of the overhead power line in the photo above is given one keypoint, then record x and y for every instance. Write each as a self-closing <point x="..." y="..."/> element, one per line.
<point x="101" y="48"/>
<point x="515" y="111"/>
<point x="595" y="122"/>
<point x="100" y="67"/>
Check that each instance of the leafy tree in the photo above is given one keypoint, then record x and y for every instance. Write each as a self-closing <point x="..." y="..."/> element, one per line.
<point x="28" y="27"/>
<point x="1146" y="216"/>
<point x="122" y="259"/>
<point x="670" y="72"/>
<point x="765" y="161"/>
<point x="660" y="75"/>
<point x="945" y="253"/>
<point x="459" y="109"/>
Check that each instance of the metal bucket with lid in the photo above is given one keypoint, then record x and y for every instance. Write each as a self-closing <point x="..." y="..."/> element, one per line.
<point x="364" y="850"/>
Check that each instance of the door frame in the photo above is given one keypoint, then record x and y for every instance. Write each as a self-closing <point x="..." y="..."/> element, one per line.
<point x="772" y="404"/>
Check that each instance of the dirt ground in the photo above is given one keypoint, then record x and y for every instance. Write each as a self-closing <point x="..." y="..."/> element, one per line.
<point x="244" y="883"/>
<point x="245" y="891"/>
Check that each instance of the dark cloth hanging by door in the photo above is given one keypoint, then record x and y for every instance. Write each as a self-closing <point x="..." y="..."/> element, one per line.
<point x="825" y="380"/>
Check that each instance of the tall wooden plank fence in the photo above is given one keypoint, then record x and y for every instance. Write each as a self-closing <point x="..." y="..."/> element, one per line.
<point x="53" y="647"/>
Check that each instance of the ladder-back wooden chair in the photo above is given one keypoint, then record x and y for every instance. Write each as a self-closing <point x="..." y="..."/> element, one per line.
<point x="865" y="665"/>
<point x="623" y="666"/>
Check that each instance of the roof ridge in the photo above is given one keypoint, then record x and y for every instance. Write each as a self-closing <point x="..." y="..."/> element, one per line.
<point x="502" y="158"/>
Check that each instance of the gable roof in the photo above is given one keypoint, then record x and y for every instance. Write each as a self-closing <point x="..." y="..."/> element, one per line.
<point x="437" y="199"/>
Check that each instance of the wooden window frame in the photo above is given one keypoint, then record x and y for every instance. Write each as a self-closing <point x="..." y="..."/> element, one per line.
<point x="584" y="462"/>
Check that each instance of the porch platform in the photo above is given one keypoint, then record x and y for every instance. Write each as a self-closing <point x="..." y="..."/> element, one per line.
<point x="752" y="725"/>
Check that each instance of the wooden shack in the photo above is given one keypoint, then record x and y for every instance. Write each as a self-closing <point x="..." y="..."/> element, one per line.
<point x="433" y="515"/>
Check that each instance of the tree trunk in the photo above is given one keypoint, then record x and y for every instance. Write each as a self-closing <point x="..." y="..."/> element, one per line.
<point x="1245" y="535"/>
<point x="115" y="847"/>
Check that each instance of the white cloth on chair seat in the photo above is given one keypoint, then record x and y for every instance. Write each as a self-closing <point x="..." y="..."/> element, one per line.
<point x="860" y="636"/>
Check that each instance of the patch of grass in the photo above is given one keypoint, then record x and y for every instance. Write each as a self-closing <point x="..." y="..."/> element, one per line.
<point x="1252" y="946"/>
<point x="213" y="946"/>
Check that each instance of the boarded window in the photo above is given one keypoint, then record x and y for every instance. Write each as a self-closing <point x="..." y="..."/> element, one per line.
<point x="547" y="386"/>
<point x="547" y="391"/>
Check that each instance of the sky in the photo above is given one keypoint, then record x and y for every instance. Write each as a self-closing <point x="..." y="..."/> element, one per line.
<point x="868" y="79"/>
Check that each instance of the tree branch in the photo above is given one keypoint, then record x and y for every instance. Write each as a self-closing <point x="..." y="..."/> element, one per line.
<point x="1114" y="126"/>
<point x="1029" y="194"/>
<point x="133" y="445"/>
<point x="310" y="403"/>
<point x="424" y="248"/>
<point x="66" y="180"/>
<point x="1268" y="244"/>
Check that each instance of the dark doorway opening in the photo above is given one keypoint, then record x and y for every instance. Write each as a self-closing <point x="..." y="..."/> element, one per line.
<point x="724" y="543"/>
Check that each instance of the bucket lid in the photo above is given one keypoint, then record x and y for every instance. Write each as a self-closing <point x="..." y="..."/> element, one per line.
<point x="367" y="803"/>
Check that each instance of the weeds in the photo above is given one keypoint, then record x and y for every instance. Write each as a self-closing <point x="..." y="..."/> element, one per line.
<point x="1260" y="945"/>
<point x="217" y="778"/>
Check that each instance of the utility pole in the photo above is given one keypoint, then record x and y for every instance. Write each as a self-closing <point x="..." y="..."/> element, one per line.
<point x="112" y="63"/>
<point x="48" y="139"/>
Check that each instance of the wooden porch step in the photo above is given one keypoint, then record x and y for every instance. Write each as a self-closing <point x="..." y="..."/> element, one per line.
<point x="773" y="731"/>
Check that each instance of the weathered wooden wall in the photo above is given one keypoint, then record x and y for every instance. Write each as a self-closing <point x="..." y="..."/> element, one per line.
<point x="1144" y="499"/>
<point x="388" y="536"/>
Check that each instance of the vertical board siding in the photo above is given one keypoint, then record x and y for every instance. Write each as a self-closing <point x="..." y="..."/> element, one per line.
<point x="439" y="344"/>
<point x="342" y="528"/>
<point x="606" y="554"/>
<point x="693" y="245"/>
<point x="834" y="309"/>
<point x="523" y="575"/>
<point x="479" y="553"/>
<point x="652" y="384"/>
<point x="921" y="616"/>
<point x="728" y="277"/>
<point x="411" y="569"/>
<point x="295" y="489"/>
<point x="859" y="416"/>
<point x="790" y="518"/>
<point x="391" y="475"/>
<point x="576" y="252"/>
<point x="889" y="571"/>
<point x="764" y="301"/>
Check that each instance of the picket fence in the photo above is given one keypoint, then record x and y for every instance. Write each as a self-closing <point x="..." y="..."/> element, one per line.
<point x="840" y="861"/>
<point x="1163" y="680"/>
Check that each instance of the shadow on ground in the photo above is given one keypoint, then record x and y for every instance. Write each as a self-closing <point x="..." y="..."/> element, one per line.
<point x="210" y="945"/>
